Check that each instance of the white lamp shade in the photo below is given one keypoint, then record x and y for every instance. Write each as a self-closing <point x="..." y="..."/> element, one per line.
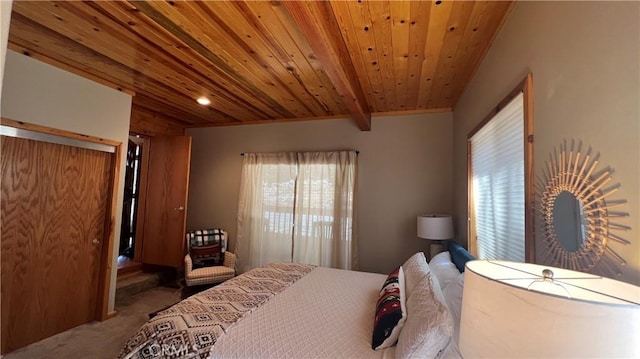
<point x="509" y="311"/>
<point x="435" y="226"/>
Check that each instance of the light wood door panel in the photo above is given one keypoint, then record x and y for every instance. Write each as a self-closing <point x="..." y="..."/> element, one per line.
<point x="166" y="200"/>
<point x="54" y="203"/>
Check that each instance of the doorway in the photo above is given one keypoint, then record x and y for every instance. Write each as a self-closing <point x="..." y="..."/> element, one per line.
<point x="131" y="233"/>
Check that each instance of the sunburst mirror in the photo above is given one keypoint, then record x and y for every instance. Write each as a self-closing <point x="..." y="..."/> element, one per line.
<point x="578" y="214"/>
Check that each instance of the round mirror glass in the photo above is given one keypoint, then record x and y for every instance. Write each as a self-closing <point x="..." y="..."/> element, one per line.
<point x="569" y="221"/>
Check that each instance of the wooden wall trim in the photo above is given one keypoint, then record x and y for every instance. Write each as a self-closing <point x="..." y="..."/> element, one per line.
<point x="322" y="118"/>
<point x="472" y="245"/>
<point x="412" y="112"/>
<point x="142" y="198"/>
<point x="57" y="132"/>
<point x="106" y="263"/>
<point x="529" y="194"/>
<point x="104" y="286"/>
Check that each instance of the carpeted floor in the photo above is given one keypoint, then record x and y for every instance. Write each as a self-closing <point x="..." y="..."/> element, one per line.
<point x="101" y="339"/>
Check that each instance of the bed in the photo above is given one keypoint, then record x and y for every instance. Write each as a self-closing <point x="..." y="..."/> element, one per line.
<point x="288" y="310"/>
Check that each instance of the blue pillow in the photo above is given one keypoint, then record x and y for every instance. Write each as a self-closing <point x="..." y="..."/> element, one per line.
<point x="459" y="255"/>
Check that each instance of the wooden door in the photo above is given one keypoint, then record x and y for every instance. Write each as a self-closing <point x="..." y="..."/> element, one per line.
<point x="54" y="207"/>
<point x="166" y="200"/>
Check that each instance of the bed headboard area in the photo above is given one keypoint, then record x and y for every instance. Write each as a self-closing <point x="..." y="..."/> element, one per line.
<point x="459" y="255"/>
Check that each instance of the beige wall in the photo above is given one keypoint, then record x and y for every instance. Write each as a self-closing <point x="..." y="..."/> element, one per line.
<point x="37" y="93"/>
<point x="404" y="169"/>
<point x="5" y="19"/>
<point x="584" y="57"/>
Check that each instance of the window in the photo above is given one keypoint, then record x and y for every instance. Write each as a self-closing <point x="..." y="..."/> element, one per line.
<point x="297" y="207"/>
<point x="500" y="180"/>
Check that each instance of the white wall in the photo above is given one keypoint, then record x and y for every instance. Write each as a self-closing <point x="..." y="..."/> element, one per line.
<point x="37" y="93"/>
<point x="5" y="19"/>
<point x="584" y="57"/>
<point x="404" y="169"/>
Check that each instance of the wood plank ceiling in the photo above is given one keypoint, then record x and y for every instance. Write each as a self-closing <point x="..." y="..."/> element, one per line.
<point x="266" y="61"/>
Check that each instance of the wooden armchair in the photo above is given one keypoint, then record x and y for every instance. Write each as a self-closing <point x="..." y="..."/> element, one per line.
<point x="203" y="246"/>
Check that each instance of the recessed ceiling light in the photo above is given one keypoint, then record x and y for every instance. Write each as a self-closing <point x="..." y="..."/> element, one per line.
<point x="203" y="101"/>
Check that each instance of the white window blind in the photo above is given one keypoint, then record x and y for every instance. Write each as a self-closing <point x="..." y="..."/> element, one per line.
<point x="497" y="167"/>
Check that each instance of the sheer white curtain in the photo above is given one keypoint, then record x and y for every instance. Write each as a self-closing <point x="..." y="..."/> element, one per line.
<point x="265" y="209"/>
<point x="313" y="190"/>
<point x="324" y="209"/>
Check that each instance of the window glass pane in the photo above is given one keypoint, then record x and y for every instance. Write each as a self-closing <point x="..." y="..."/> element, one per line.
<point x="497" y="155"/>
<point x="278" y="189"/>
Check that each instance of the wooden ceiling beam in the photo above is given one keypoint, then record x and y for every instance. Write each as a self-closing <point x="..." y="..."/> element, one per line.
<point x="267" y="61"/>
<point x="319" y="25"/>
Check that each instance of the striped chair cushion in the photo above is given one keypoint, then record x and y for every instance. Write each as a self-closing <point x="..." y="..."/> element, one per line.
<point x="207" y="247"/>
<point x="209" y="275"/>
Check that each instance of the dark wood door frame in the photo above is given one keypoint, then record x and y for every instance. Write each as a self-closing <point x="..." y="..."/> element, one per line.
<point x="144" y="142"/>
<point x="142" y="195"/>
<point x="106" y="267"/>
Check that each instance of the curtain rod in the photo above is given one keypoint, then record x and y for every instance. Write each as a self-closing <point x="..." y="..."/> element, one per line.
<point x="357" y="152"/>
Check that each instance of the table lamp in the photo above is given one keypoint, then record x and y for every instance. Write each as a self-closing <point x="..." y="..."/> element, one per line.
<point x="518" y="310"/>
<point x="435" y="227"/>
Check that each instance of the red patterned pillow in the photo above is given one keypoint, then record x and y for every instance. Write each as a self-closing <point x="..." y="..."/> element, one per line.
<point x="206" y="256"/>
<point x="391" y="311"/>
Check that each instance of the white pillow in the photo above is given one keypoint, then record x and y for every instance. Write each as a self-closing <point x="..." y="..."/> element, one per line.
<point x="444" y="269"/>
<point x="415" y="269"/>
<point x="429" y="324"/>
<point x="453" y="297"/>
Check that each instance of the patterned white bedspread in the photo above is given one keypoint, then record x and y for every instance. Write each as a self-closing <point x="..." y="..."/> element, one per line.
<point x="190" y="328"/>
<point x="326" y="314"/>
